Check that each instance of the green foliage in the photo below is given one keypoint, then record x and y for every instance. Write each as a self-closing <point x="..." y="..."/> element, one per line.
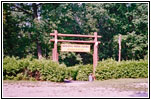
<point x="11" y="67"/>
<point x="52" y="71"/>
<point x="23" y="32"/>
<point x="133" y="46"/>
<point x="70" y="58"/>
<point x="109" y="69"/>
<point x="71" y="72"/>
<point x="83" y="72"/>
<point x="26" y="34"/>
<point x="129" y="20"/>
<point x="20" y="76"/>
<point x="33" y="69"/>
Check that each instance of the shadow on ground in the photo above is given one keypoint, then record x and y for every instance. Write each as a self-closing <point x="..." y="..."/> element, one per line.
<point x="140" y="94"/>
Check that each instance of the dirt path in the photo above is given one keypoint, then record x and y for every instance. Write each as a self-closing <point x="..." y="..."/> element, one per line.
<point x="109" y="88"/>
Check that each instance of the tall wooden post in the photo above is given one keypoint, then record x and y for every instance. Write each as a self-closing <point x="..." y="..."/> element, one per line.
<point x="119" y="55"/>
<point x="54" y="52"/>
<point x="95" y="54"/>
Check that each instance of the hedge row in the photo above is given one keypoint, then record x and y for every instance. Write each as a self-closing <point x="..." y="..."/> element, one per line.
<point x="33" y="69"/>
<point x="110" y="69"/>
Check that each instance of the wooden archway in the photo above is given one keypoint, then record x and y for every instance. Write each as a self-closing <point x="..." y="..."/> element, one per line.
<point x="95" y="42"/>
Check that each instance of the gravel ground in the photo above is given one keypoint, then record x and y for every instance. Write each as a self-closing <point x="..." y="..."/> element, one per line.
<point x="74" y="89"/>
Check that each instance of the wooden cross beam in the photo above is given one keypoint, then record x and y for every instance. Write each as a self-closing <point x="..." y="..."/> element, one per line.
<point x="75" y="41"/>
<point x="75" y="35"/>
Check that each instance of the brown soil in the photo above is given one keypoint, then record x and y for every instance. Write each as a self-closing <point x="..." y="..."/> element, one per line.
<point x="75" y="89"/>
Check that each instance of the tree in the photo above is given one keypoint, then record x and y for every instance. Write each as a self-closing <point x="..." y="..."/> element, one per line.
<point x="27" y="27"/>
<point x="130" y="20"/>
<point x="14" y="42"/>
<point x="28" y="17"/>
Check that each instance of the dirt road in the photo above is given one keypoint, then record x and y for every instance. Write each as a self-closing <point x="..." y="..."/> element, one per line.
<point x="109" y="88"/>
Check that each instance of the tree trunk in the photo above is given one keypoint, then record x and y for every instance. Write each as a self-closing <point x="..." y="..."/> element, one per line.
<point x="39" y="51"/>
<point x="35" y="17"/>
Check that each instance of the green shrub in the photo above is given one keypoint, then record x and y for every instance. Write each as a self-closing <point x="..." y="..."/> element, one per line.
<point x="126" y="69"/>
<point x="11" y="67"/>
<point x="19" y="76"/>
<point x="52" y="71"/>
<point x="7" y="77"/>
<point x="71" y="72"/>
<point x="33" y="69"/>
<point x="83" y="72"/>
<point x="32" y="79"/>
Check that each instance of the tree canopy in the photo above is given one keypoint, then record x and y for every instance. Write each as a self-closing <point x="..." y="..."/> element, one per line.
<point x="26" y="29"/>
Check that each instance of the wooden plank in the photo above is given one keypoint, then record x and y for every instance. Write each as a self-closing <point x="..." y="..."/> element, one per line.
<point x="75" y="35"/>
<point x="76" y="41"/>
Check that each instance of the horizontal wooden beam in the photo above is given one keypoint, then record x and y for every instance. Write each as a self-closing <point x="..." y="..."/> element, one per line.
<point x="76" y="41"/>
<point x="75" y="35"/>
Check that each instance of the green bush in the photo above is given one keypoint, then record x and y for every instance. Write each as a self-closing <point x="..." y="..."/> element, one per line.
<point x="71" y="72"/>
<point x="52" y="71"/>
<point x="83" y="72"/>
<point x="33" y="69"/>
<point x="126" y="69"/>
<point x="20" y="76"/>
<point x="11" y="67"/>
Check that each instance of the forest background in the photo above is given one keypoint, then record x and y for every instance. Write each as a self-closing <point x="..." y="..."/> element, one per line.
<point x="27" y="28"/>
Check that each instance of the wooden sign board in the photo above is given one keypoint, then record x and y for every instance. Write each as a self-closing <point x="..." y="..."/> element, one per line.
<point x="75" y="47"/>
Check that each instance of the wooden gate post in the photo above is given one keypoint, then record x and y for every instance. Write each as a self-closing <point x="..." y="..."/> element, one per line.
<point x="95" y="53"/>
<point x="119" y="55"/>
<point x="54" y="52"/>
